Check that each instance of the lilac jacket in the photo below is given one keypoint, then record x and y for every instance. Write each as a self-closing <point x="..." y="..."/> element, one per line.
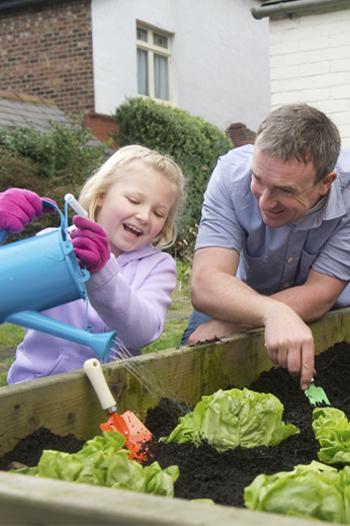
<point x="131" y="294"/>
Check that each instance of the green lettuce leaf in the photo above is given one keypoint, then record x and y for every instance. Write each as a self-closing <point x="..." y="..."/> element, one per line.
<point x="231" y="418"/>
<point x="311" y="491"/>
<point x="102" y="461"/>
<point x="332" y="430"/>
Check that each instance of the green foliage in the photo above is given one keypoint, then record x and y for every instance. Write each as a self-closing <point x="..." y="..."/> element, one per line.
<point x="234" y="418"/>
<point x="312" y="491"/>
<point x="170" y="338"/>
<point x="50" y="164"/>
<point x="103" y="461"/>
<point x="10" y="337"/>
<point x="191" y="141"/>
<point x="65" y="151"/>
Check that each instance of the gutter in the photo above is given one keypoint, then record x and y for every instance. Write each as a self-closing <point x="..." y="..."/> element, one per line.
<point x="287" y="8"/>
<point x="6" y="5"/>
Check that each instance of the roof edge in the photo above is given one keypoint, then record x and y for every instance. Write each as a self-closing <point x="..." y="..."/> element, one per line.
<point x="7" y="5"/>
<point x="19" y="96"/>
<point x="287" y="8"/>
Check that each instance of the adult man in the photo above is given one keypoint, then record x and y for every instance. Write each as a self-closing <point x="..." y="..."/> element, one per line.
<point x="273" y="246"/>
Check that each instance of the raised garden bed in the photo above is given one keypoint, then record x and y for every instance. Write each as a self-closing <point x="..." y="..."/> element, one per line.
<point x="67" y="405"/>
<point x="205" y="473"/>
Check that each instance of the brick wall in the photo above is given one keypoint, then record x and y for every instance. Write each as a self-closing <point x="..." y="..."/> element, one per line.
<point x="310" y="62"/>
<point x="46" y="51"/>
<point x="104" y="127"/>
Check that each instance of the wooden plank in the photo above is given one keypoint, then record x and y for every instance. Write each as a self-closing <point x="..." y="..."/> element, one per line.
<point x="33" y="501"/>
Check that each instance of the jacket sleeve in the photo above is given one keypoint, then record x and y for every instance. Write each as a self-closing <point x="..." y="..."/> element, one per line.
<point x="136" y="311"/>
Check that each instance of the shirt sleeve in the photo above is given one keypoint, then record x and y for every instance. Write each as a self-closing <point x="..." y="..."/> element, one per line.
<point x="136" y="311"/>
<point x="334" y="258"/>
<point x="219" y="225"/>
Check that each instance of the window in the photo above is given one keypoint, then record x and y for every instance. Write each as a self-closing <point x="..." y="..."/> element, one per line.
<point x="153" y="58"/>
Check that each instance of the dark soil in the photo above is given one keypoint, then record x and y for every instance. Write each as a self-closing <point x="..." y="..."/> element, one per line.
<point x="28" y="450"/>
<point x="222" y="477"/>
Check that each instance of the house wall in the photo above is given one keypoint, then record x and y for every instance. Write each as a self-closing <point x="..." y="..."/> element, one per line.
<point x="310" y="62"/>
<point x="46" y="51"/>
<point x="220" y="53"/>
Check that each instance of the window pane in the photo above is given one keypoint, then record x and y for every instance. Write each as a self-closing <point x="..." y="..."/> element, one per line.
<point x="160" y="40"/>
<point x="141" y="34"/>
<point x="161" y="77"/>
<point x="142" y="72"/>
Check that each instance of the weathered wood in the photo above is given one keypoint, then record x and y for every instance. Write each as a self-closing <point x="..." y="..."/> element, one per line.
<point x="48" y="502"/>
<point x="67" y="404"/>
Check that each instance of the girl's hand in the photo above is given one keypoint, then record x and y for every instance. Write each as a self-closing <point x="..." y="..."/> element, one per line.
<point x="90" y="243"/>
<point x="18" y="207"/>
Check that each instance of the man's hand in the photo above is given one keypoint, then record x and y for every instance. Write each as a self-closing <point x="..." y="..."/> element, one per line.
<point x="289" y="343"/>
<point x="212" y="330"/>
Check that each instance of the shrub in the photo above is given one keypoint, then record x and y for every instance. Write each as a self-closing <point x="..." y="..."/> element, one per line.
<point x="50" y="164"/>
<point x="63" y="152"/>
<point x="191" y="141"/>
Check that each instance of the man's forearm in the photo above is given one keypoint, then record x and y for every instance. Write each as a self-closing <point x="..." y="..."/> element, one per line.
<point x="314" y="298"/>
<point x="305" y="302"/>
<point x="229" y="299"/>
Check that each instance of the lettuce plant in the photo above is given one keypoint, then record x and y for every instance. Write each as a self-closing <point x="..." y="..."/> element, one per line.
<point x="332" y="430"/>
<point x="231" y="418"/>
<point x="103" y="462"/>
<point x="311" y="491"/>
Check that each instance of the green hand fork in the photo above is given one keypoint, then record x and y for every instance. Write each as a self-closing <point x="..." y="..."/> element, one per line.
<point x="316" y="395"/>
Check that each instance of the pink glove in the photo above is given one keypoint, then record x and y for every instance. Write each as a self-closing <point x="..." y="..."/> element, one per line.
<point x="90" y="243"/>
<point x="18" y="207"/>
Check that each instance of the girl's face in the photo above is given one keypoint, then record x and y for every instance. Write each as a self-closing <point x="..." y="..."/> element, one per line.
<point x="135" y="208"/>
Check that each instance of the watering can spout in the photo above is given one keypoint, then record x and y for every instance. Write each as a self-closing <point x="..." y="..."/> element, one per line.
<point x="101" y="343"/>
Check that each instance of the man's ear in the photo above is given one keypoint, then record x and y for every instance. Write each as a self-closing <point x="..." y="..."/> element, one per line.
<point x="326" y="182"/>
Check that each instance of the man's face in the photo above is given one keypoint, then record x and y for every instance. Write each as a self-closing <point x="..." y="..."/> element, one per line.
<point x="285" y="190"/>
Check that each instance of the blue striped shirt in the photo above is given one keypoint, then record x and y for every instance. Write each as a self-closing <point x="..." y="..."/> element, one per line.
<point x="273" y="259"/>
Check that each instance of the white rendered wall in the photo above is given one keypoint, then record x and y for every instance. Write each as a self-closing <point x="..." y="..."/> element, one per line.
<point x="221" y="56"/>
<point x="310" y="62"/>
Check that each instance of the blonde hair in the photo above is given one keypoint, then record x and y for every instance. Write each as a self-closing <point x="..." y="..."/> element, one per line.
<point x="99" y="183"/>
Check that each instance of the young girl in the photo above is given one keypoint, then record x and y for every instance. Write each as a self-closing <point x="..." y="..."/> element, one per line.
<point x="132" y="202"/>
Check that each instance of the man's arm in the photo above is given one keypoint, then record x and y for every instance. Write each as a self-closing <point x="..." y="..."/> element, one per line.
<point x="314" y="298"/>
<point x="217" y="292"/>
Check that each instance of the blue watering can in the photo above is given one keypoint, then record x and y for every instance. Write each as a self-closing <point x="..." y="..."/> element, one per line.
<point x="42" y="272"/>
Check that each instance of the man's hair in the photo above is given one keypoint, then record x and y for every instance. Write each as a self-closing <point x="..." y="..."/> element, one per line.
<point x="303" y="133"/>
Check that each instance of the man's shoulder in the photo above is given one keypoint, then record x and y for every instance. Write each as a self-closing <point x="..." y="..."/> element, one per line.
<point x="235" y="164"/>
<point x="238" y="155"/>
<point x="342" y="167"/>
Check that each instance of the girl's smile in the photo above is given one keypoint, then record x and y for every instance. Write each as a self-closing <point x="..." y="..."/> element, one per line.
<point x="135" y="208"/>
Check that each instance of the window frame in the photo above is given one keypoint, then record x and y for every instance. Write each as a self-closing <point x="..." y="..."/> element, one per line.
<point x="152" y="50"/>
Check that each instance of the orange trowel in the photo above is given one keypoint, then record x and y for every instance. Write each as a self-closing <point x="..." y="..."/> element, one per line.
<point x="128" y="424"/>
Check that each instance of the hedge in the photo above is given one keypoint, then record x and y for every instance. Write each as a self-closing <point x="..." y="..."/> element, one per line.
<point x="192" y="142"/>
<point x="50" y="164"/>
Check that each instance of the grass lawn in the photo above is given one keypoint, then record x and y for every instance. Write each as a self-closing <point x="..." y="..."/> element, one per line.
<point x="11" y="335"/>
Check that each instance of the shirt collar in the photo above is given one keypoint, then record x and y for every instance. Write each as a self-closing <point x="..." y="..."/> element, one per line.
<point x="141" y="253"/>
